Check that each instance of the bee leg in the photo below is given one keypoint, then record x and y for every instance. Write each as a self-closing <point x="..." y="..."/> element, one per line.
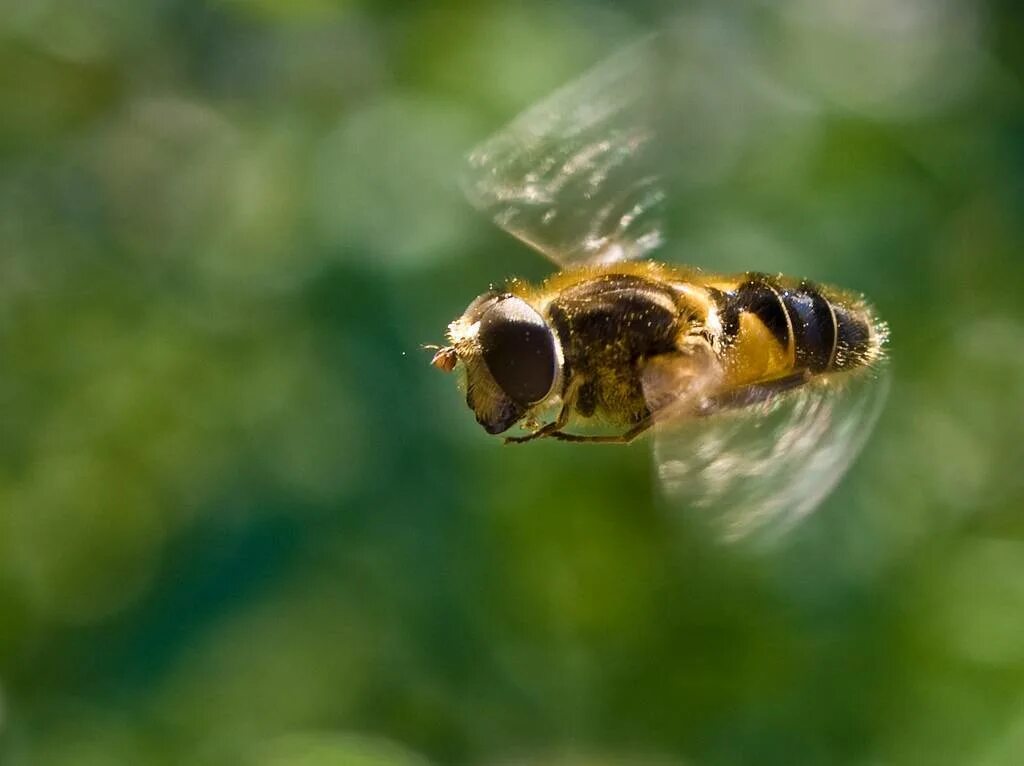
<point x="623" y="438"/>
<point x="545" y="430"/>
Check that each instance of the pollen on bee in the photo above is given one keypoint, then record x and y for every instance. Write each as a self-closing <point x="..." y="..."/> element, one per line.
<point x="445" y="359"/>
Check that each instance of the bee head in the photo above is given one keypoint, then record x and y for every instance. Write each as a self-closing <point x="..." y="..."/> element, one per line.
<point x="510" y="354"/>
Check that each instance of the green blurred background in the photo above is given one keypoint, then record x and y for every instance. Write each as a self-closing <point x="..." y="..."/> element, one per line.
<point x="242" y="521"/>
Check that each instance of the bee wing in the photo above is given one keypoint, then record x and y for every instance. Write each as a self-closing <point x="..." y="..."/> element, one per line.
<point x="753" y="471"/>
<point x="573" y="176"/>
<point x="584" y="176"/>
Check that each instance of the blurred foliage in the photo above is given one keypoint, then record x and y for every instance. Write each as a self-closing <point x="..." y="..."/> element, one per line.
<point x="243" y="521"/>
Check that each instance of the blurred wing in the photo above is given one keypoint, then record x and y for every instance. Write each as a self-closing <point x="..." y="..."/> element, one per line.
<point x="585" y="175"/>
<point x="573" y="176"/>
<point x="753" y="472"/>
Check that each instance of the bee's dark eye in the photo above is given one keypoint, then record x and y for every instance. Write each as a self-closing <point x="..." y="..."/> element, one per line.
<point x="519" y="350"/>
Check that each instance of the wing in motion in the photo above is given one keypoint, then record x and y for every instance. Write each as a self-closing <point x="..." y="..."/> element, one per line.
<point x="572" y="176"/>
<point x="753" y="471"/>
<point x="583" y="176"/>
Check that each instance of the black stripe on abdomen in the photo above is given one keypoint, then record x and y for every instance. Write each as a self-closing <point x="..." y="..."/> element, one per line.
<point x="826" y="336"/>
<point x="755" y="296"/>
<point x="814" y="327"/>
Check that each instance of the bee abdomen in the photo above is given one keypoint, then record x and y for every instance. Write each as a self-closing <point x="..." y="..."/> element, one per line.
<point x="854" y="339"/>
<point x="825" y="334"/>
<point x="813" y="321"/>
<point x="757" y="297"/>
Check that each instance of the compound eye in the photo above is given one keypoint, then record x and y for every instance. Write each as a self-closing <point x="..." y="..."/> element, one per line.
<point x="519" y="350"/>
<point x="475" y="310"/>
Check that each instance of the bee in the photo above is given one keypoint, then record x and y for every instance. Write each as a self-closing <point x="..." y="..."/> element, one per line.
<point x="761" y="389"/>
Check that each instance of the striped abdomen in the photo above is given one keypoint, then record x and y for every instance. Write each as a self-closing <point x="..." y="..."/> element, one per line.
<point x="811" y="329"/>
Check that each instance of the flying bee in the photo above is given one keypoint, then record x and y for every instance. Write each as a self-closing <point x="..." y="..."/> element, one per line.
<point x="761" y="389"/>
<point x="634" y="341"/>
